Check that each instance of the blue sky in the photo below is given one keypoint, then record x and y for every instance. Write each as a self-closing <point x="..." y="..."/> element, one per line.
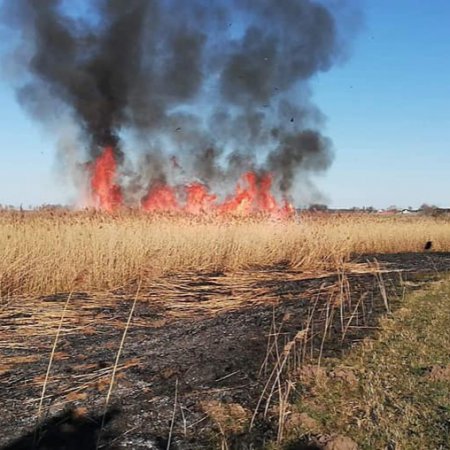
<point x="387" y="108"/>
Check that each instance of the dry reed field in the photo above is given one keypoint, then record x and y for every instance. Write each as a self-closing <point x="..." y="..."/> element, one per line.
<point x="48" y="252"/>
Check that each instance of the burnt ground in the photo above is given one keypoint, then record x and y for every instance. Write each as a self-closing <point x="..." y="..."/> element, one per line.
<point x="193" y="343"/>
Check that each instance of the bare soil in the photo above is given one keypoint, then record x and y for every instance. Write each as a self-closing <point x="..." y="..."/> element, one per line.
<point x="193" y="340"/>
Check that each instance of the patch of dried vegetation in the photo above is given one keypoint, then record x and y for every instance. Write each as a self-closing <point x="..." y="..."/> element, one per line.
<point x="230" y="418"/>
<point x="49" y="252"/>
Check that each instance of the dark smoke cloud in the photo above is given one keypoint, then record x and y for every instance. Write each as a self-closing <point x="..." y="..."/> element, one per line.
<point x="222" y="85"/>
<point x="306" y="149"/>
<point x="286" y="41"/>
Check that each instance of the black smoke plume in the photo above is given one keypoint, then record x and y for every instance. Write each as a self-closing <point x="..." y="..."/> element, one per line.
<point x="222" y="86"/>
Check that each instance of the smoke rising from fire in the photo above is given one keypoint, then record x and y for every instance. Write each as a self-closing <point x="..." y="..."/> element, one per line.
<point x="207" y="90"/>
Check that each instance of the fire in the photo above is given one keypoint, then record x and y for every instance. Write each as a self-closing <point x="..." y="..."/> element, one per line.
<point x="198" y="199"/>
<point x="252" y="194"/>
<point x="107" y="195"/>
<point x="160" y="197"/>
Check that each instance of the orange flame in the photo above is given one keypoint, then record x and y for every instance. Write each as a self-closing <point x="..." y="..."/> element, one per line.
<point x="198" y="199"/>
<point x="252" y="194"/>
<point x="106" y="194"/>
<point x="253" y="197"/>
<point x="160" y="197"/>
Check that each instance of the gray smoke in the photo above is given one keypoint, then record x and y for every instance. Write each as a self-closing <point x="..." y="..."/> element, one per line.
<point x="220" y="85"/>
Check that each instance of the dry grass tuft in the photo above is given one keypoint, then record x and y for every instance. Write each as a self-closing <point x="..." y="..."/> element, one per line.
<point x="231" y="418"/>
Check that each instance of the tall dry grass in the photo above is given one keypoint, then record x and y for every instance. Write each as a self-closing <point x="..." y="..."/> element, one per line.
<point x="49" y="252"/>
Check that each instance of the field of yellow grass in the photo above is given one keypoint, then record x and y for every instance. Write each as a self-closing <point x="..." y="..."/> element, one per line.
<point x="49" y="252"/>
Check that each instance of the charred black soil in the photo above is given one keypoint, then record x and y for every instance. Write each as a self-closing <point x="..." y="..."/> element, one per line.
<point x="194" y="345"/>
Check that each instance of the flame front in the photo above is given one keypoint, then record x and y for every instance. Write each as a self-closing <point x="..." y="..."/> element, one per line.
<point x="106" y="194"/>
<point x="198" y="199"/>
<point x="160" y="197"/>
<point x="252" y="194"/>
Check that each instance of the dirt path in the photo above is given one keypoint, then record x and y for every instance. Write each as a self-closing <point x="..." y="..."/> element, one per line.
<point x="200" y="340"/>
